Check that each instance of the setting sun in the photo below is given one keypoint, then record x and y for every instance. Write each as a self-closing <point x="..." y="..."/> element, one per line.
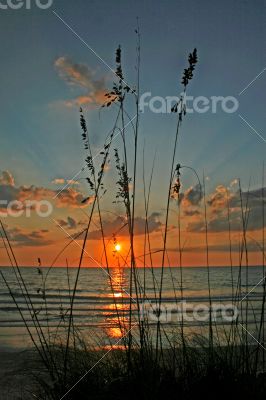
<point x="117" y="247"/>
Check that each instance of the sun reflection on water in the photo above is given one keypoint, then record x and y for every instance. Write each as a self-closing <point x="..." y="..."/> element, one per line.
<point x="117" y="319"/>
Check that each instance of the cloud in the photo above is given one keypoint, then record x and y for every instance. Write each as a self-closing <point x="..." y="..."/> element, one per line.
<point x="67" y="197"/>
<point x="71" y="198"/>
<point x="195" y="226"/>
<point x="218" y="203"/>
<point x="219" y="198"/>
<point x="82" y="76"/>
<point x="218" y="248"/>
<point x="7" y="179"/>
<point x="252" y="202"/>
<point x="234" y="182"/>
<point x="24" y="238"/>
<point x="70" y="223"/>
<point x="58" y="181"/>
<point x="62" y="181"/>
<point x="72" y="182"/>
<point x="191" y="212"/>
<point x="118" y="226"/>
<point x="192" y="196"/>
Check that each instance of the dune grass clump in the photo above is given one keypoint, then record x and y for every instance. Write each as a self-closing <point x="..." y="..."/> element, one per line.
<point x="149" y="363"/>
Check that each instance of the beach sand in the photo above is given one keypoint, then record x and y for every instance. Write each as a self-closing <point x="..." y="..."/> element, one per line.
<point x="16" y="368"/>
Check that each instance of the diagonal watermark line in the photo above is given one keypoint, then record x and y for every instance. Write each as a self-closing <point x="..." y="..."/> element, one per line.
<point x="99" y="152"/>
<point x="68" y="184"/>
<point x="250" y="334"/>
<point x="253" y="80"/>
<point x="120" y="338"/>
<point x="251" y="127"/>
<point x="98" y="264"/>
<point x="86" y="373"/>
<point x="87" y="45"/>
<point x="246" y="295"/>
<point x="93" y="259"/>
<point x="263" y="279"/>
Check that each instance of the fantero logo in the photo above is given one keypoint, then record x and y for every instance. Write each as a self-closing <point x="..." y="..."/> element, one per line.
<point x="26" y="4"/>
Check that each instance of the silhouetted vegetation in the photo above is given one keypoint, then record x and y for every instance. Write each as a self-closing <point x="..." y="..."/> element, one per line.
<point x="149" y="365"/>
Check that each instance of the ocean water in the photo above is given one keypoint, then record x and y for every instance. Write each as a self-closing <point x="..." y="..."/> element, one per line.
<point x="99" y="297"/>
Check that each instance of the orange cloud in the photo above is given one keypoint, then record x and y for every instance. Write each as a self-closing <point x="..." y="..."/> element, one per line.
<point x="68" y="197"/>
<point x="7" y="179"/>
<point x="84" y="77"/>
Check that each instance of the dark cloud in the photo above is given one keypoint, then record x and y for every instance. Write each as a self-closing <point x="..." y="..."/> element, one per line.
<point x="191" y="212"/>
<point x="119" y="227"/>
<point x="70" y="223"/>
<point x="218" y="248"/>
<point x="218" y="201"/>
<point x="192" y="196"/>
<point x="24" y="238"/>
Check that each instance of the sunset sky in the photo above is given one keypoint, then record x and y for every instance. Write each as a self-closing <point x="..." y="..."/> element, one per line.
<point x="48" y="72"/>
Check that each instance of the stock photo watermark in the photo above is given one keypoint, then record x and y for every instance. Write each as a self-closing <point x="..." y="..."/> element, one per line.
<point x="16" y="208"/>
<point x="25" y="4"/>
<point x="188" y="312"/>
<point x="198" y="104"/>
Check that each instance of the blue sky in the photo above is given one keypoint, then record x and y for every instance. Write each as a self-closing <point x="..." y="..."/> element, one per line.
<point x="40" y="136"/>
<point x="230" y="41"/>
